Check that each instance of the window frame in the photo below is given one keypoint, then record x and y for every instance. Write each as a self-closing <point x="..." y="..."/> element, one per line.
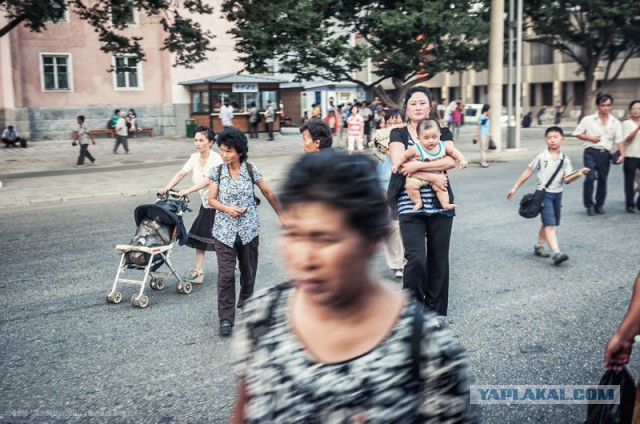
<point x="136" y="16"/>
<point x="139" y="74"/>
<point x="69" y="57"/>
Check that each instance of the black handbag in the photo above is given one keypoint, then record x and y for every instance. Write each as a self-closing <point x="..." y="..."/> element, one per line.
<point x="531" y="203"/>
<point x="614" y="157"/>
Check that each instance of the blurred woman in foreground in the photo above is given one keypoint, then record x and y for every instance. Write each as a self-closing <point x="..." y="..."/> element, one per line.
<point x="336" y="343"/>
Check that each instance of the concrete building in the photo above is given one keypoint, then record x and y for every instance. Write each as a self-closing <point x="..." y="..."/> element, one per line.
<point x="548" y="76"/>
<point x="48" y="78"/>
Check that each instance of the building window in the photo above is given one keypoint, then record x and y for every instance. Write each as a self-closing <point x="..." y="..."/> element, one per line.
<point x="127" y="73"/>
<point x="56" y="72"/>
<point x="578" y="92"/>
<point x="532" y="95"/>
<point x="64" y="18"/>
<point x="547" y="93"/>
<point x="124" y="14"/>
<point x="541" y="54"/>
<point x="200" y="101"/>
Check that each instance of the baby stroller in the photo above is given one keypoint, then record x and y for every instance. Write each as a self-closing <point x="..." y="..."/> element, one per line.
<point x="159" y="227"/>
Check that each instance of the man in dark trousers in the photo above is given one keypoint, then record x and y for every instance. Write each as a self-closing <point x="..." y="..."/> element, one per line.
<point x="600" y="133"/>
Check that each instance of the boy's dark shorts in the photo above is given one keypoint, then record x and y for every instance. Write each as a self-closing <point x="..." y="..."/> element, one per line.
<point x="550" y="213"/>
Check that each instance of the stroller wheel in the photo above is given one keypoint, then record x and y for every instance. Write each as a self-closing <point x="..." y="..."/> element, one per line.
<point x="180" y="287"/>
<point x="115" y="297"/>
<point x="152" y="283"/>
<point x="143" y="302"/>
<point x="134" y="300"/>
<point x="187" y="287"/>
<point x="159" y="283"/>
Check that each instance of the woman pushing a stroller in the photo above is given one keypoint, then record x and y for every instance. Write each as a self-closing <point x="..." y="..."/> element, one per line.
<point x="199" y="165"/>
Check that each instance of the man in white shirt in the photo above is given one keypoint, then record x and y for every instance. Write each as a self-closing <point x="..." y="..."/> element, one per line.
<point x="601" y="132"/>
<point x="226" y="115"/>
<point x="10" y="138"/>
<point x="121" y="133"/>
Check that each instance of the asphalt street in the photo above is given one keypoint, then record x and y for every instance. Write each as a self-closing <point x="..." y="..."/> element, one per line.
<point x="68" y="356"/>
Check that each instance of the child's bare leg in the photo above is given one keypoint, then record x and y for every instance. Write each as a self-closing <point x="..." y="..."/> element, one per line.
<point x="552" y="240"/>
<point x="413" y="191"/>
<point x="443" y="198"/>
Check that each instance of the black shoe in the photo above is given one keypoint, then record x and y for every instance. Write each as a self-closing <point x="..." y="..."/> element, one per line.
<point x="600" y="210"/>
<point x="225" y="328"/>
<point x="631" y="209"/>
<point x="558" y="258"/>
<point x="591" y="211"/>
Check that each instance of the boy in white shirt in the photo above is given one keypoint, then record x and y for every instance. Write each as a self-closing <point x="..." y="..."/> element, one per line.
<point x="546" y="164"/>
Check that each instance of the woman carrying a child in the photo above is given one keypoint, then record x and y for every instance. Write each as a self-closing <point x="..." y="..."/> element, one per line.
<point x="427" y="270"/>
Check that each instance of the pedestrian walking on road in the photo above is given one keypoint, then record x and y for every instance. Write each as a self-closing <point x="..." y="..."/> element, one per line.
<point x="554" y="170"/>
<point x="355" y="130"/>
<point x="121" y="133"/>
<point x="427" y="270"/>
<point x="269" y="118"/>
<point x="316" y="135"/>
<point x="82" y="137"/>
<point x="600" y="133"/>
<point x="483" y="134"/>
<point x="393" y="249"/>
<point x="631" y="133"/>
<point x="199" y="166"/>
<point x="336" y="344"/>
<point x="236" y="228"/>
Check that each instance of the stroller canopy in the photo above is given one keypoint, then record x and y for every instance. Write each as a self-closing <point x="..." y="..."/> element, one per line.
<point x="165" y="213"/>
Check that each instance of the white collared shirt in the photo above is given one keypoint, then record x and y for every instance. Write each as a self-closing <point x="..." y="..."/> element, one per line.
<point x="610" y="134"/>
<point x="631" y="149"/>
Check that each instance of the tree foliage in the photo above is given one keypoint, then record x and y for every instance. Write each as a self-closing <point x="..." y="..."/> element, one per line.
<point x="408" y="41"/>
<point x="600" y="35"/>
<point x="185" y="37"/>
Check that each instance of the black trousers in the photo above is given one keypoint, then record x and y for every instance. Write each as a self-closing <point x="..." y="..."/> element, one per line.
<point x="253" y="130"/>
<point x="630" y="166"/>
<point x="599" y="161"/>
<point x="248" y="258"/>
<point x="8" y="142"/>
<point x="427" y="272"/>
<point x="84" y="152"/>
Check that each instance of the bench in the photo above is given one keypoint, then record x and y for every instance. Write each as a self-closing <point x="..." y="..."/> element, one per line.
<point x="112" y="133"/>
<point x="146" y="129"/>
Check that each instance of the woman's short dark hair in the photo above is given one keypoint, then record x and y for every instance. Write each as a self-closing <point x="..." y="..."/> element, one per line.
<point x="633" y="102"/>
<point x="392" y="113"/>
<point x="601" y="97"/>
<point x="81" y="117"/>
<point x="319" y="130"/>
<point x="485" y="107"/>
<point x="418" y="89"/>
<point x="234" y="139"/>
<point x="321" y="177"/>
<point x="207" y="132"/>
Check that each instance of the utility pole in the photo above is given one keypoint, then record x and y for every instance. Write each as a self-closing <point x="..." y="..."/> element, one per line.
<point x="511" y="126"/>
<point x="496" y="55"/>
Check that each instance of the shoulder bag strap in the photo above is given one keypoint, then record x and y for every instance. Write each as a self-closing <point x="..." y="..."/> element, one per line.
<point x="553" y="177"/>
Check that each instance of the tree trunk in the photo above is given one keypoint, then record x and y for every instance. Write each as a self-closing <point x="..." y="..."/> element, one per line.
<point x="588" y="102"/>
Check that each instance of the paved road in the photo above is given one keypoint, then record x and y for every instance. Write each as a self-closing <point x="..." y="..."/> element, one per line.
<point x="69" y="356"/>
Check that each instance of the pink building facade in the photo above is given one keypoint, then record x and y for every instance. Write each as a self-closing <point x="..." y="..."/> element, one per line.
<point x="48" y="78"/>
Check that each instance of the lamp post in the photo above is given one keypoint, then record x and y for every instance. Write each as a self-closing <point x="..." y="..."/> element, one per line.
<point x="496" y="55"/>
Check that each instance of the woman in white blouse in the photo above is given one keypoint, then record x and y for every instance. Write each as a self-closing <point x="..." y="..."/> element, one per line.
<point x="199" y="165"/>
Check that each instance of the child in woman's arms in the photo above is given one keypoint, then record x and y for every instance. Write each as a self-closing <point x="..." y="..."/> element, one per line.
<point x="429" y="148"/>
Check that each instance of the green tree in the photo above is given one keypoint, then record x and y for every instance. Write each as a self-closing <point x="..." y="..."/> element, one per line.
<point x="408" y="41"/>
<point x="600" y="35"/>
<point x="185" y="38"/>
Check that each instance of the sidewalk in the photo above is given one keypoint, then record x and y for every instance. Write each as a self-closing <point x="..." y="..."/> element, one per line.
<point x="46" y="173"/>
